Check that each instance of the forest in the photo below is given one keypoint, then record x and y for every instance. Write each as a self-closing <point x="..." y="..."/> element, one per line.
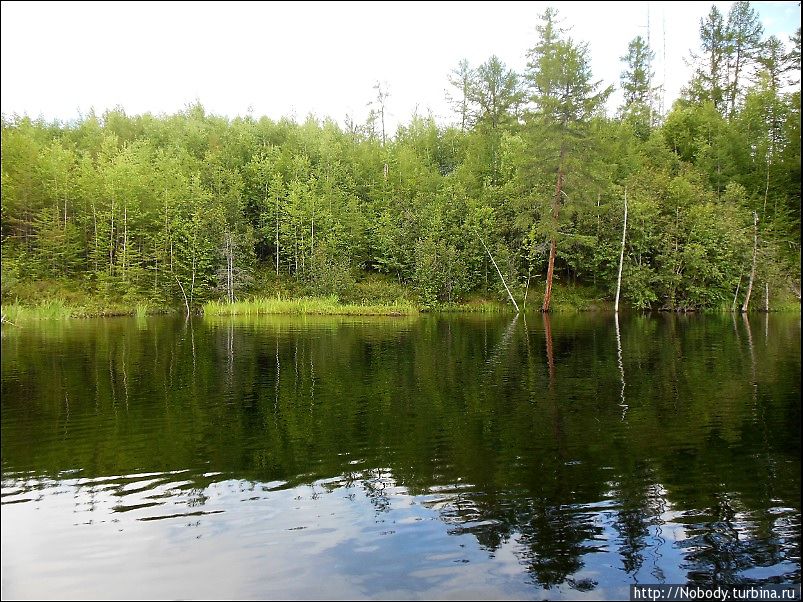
<point x="528" y="182"/>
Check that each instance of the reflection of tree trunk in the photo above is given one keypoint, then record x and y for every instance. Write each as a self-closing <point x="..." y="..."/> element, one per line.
<point x="278" y="373"/>
<point x="111" y="381"/>
<point x="230" y="350"/>
<point x="623" y="405"/>
<point x="505" y="342"/>
<point x="736" y="332"/>
<point x="192" y="343"/>
<point x="552" y="398"/>
<point x="752" y="351"/>
<point x="125" y="378"/>
<point x="311" y="377"/>
<point x="549" y="357"/>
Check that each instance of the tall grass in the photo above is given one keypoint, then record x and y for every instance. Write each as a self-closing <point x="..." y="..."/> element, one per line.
<point x="483" y="306"/>
<point x="306" y="305"/>
<point x="50" y="309"/>
<point x="141" y="310"/>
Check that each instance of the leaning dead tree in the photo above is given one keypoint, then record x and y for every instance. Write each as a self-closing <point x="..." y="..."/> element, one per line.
<point x="746" y="302"/>
<point x="509" y="294"/>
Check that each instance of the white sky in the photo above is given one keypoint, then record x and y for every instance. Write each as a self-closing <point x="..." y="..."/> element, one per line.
<point x="290" y="59"/>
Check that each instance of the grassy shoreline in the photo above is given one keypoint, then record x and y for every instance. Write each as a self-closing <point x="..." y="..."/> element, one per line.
<point x="326" y="306"/>
<point x="56" y="309"/>
<point x="46" y="301"/>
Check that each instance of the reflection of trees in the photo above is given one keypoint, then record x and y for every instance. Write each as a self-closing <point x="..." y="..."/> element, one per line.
<point x="531" y="425"/>
<point x="639" y="521"/>
<point x="374" y="483"/>
<point x="719" y="547"/>
<point x="554" y="541"/>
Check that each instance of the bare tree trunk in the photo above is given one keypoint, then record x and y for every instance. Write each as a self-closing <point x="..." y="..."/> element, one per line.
<point x="95" y="221"/>
<point x="111" y="242"/>
<point x="277" y="235"/>
<point x="769" y="164"/>
<point x="527" y="289"/>
<point x="229" y="267"/>
<point x="549" y="273"/>
<point x="125" y="241"/>
<point x="766" y="297"/>
<point x="192" y="283"/>
<point x="736" y="294"/>
<point x="509" y="294"/>
<point x="553" y="247"/>
<point x="186" y="303"/>
<point x="746" y="302"/>
<point x="621" y="258"/>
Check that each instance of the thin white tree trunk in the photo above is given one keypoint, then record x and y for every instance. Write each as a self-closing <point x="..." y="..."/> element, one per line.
<point x="192" y="283"/>
<point x="621" y="258"/>
<point x="95" y="221"/>
<point x="746" y="302"/>
<point x="527" y="289"/>
<point x="277" y="235"/>
<point x="736" y="295"/>
<point x="186" y="302"/>
<point x="111" y="241"/>
<point x="509" y="294"/>
<point x="125" y="241"/>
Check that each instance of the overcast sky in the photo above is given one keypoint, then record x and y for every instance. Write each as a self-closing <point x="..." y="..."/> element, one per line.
<point x="290" y="59"/>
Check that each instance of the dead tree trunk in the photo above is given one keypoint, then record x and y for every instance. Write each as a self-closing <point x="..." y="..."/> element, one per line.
<point x="509" y="294"/>
<point x="746" y="303"/>
<point x="553" y="247"/>
<point x="736" y="294"/>
<point x="621" y="258"/>
<point x="186" y="302"/>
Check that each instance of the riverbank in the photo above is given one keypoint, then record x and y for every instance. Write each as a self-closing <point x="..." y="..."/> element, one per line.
<point x="62" y="305"/>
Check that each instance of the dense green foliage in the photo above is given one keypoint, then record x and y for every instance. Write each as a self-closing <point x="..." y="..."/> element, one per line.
<point x="183" y="209"/>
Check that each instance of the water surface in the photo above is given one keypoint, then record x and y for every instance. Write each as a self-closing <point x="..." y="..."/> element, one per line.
<point x="429" y="457"/>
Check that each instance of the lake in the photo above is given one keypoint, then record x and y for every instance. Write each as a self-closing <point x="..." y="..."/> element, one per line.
<point x="438" y="456"/>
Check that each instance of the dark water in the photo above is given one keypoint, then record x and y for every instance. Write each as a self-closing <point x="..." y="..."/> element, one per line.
<point x="431" y="457"/>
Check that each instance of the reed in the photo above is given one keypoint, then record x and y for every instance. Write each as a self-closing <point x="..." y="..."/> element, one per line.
<point x="305" y="306"/>
<point x="50" y="309"/>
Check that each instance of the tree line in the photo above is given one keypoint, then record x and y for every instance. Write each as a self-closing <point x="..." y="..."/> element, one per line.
<point x="189" y="207"/>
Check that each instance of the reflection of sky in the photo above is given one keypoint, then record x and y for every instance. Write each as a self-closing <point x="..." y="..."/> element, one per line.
<point x="161" y="536"/>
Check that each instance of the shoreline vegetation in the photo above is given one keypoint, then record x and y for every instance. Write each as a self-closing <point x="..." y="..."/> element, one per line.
<point x="565" y="299"/>
<point x="529" y="193"/>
